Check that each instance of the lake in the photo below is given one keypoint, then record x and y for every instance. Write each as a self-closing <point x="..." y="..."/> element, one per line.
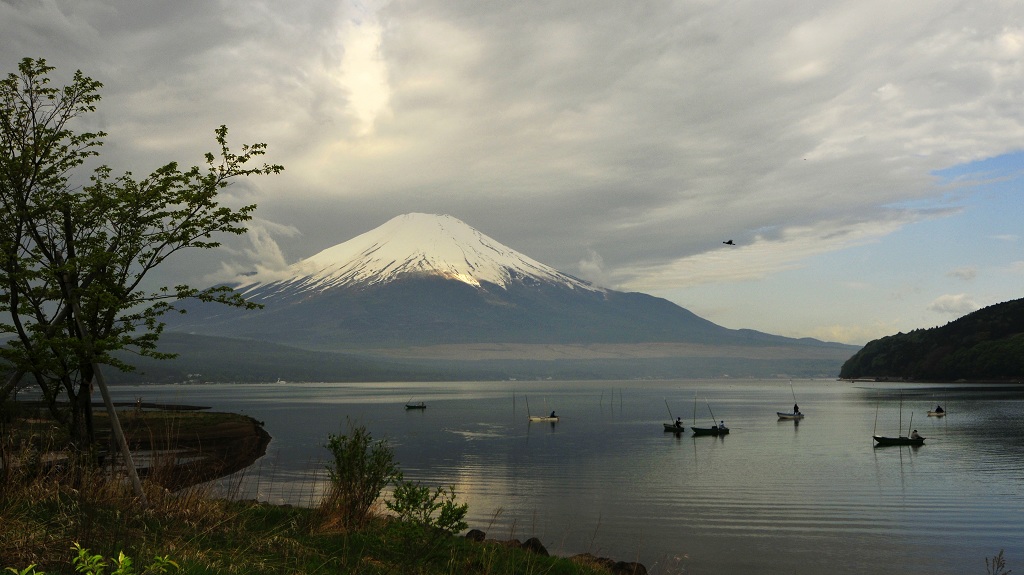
<point x="771" y="497"/>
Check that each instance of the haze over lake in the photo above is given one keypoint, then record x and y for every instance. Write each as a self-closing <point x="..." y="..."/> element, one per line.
<point x="771" y="497"/>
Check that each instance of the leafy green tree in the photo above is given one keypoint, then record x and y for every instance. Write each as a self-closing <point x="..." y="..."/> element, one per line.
<point x="75" y="249"/>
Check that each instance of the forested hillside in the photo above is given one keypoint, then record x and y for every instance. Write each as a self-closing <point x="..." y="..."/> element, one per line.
<point x="987" y="345"/>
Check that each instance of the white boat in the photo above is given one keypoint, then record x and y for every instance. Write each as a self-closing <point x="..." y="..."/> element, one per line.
<point x="543" y="418"/>
<point x="551" y="417"/>
<point x="796" y="413"/>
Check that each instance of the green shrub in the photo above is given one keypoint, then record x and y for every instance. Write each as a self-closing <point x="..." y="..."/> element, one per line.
<point x="360" y="471"/>
<point x="89" y="564"/>
<point x="425" y="518"/>
<point x="414" y="503"/>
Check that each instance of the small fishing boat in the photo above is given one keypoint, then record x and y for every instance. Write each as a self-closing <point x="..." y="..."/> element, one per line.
<point x="912" y="439"/>
<point x="417" y="405"/>
<point x="551" y="418"/>
<point x="544" y="417"/>
<point x="901" y="440"/>
<point x="677" y="426"/>
<point x="796" y="413"/>
<point x="715" y="429"/>
<point x="784" y="415"/>
<point x="936" y="413"/>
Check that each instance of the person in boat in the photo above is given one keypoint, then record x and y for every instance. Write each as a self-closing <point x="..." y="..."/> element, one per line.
<point x="938" y="409"/>
<point x="679" y="422"/>
<point x="553" y="414"/>
<point x="915" y="435"/>
<point x="796" y="409"/>
<point x="721" y="425"/>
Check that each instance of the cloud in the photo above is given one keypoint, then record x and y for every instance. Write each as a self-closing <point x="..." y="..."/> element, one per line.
<point x="954" y="304"/>
<point x="965" y="273"/>
<point x="260" y="260"/>
<point x="854" y="333"/>
<point x="644" y="133"/>
<point x="363" y="73"/>
<point x="591" y="269"/>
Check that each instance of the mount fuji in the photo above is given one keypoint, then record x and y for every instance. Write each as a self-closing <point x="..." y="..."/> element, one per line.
<point x="431" y="282"/>
<point x="419" y="246"/>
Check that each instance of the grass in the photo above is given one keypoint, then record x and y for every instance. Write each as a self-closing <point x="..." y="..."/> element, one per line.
<point x="46" y="511"/>
<point x="40" y="523"/>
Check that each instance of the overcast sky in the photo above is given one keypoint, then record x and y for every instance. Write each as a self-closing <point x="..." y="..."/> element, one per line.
<point x="865" y="156"/>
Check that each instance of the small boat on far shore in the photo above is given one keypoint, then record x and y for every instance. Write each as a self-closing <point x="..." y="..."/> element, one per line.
<point x="419" y="405"/>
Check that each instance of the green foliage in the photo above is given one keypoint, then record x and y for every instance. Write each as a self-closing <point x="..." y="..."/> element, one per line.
<point x="416" y="504"/>
<point x="986" y="345"/>
<point x="89" y="564"/>
<point x="425" y="517"/>
<point x="360" y="470"/>
<point x="208" y="535"/>
<point x="73" y="257"/>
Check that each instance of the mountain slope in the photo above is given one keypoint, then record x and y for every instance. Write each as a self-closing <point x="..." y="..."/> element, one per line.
<point x="421" y="280"/>
<point x="418" y="245"/>
<point x="982" y="346"/>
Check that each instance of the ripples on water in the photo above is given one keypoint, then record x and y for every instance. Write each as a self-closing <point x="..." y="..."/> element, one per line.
<point x="771" y="497"/>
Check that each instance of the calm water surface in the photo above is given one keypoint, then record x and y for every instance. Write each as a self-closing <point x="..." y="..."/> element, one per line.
<point x="771" y="497"/>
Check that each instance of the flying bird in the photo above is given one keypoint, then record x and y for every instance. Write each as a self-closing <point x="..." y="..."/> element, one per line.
<point x="729" y="243"/>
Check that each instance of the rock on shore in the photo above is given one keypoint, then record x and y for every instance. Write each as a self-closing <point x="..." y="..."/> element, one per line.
<point x="534" y="545"/>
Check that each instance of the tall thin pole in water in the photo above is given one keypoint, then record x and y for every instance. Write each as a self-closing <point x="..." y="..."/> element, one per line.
<point x="901" y="411"/>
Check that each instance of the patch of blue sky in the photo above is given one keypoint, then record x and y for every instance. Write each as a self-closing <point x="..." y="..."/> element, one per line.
<point x="969" y="242"/>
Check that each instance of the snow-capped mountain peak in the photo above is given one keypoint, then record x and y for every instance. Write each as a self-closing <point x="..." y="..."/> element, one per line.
<point x="423" y="245"/>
